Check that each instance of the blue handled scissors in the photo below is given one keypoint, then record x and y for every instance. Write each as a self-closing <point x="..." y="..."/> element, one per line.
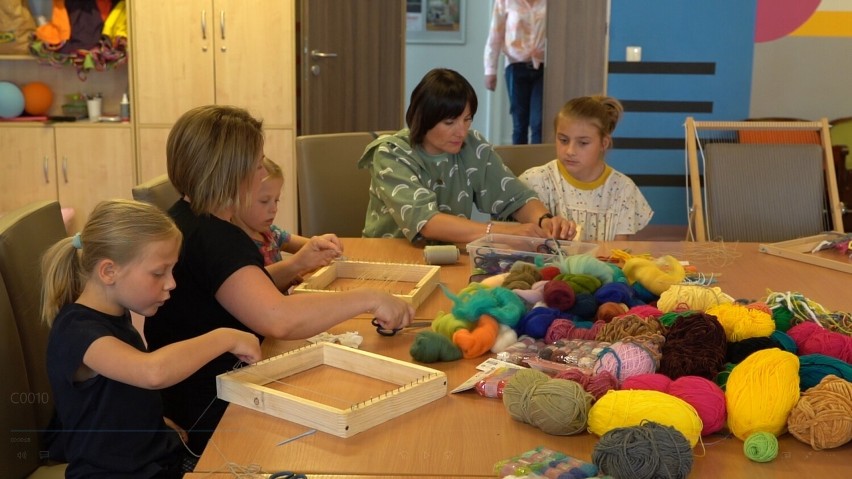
<point x="391" y="332"/>
<point x="287" y="475"/>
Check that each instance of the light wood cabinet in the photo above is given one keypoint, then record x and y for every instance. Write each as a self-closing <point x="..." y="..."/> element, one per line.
<point x="226" y="52"/>
<point x="74" y="164"/>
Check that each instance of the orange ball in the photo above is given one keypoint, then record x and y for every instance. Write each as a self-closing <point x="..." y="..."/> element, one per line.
<point x="37" y="98"/>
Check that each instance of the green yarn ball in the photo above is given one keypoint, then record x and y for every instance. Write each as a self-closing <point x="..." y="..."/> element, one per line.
<point x="761" y="447"/>
<point x="556" y="406"/>
<point x="783" y="318"/>
<point x="431" y="347"/>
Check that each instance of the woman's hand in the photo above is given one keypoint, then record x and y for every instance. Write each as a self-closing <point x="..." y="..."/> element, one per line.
<point x="319" y="251"/>
<point x="392" y="312"/>
<point x="559" y="228"/>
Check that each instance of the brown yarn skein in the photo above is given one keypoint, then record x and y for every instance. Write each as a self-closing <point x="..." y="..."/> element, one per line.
<point x="823" y="415"/>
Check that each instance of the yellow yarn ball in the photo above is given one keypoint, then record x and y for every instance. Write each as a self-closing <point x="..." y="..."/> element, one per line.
<point x="629" y="407"/>
<point x="656" y="276"/>
<point x="761" y="391"/>
<point x="691" y="297"/>
<point x="741" y="322"/>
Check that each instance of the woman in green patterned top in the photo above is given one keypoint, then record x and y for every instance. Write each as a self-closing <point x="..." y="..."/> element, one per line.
<point x="427" y="178"/>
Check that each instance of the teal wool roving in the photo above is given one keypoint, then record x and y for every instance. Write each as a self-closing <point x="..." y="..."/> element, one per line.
<point x="648" y="451"/>
<point x="431" y="347"/>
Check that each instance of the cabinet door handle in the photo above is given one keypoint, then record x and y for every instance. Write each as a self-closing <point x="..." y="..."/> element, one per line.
<point x="65" y="168"/>
<point x="45" y="165"/>
<point x="222" y="23"/>
<point x="319" y="54"/>
<point x="204" y="24"/>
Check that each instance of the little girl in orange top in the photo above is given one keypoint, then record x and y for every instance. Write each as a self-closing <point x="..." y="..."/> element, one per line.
<point x="579" y="185"/>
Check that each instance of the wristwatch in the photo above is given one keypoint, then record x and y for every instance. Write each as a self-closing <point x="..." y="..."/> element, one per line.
<point x="543" y="217"/>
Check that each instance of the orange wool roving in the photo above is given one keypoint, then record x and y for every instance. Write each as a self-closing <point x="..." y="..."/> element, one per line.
<point x="761" y="391"/>
<point x="478" y="341"/>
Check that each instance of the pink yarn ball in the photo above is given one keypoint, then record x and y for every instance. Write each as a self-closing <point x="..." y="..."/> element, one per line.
<point x="595" y="384"/>
<point x="706" y="397"/>
<point x="645" y="311"/>
<point x="560" y="328"/>
<point x="625" y="360"/>
<point x="648" y="382"/>
<point x="811" y="338"/>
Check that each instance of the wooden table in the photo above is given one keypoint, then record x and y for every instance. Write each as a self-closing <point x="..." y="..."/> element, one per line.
<point x="464" y="434"/>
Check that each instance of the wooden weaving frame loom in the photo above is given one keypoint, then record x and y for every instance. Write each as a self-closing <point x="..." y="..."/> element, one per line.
<point x="418" y="385"/>
<point x="425" y="277"/>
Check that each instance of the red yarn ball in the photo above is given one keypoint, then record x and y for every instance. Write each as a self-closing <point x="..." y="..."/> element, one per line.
<point x="37" y="98"/>
<point x="706" y="397"/>
<point x="812" y="338"/>
<point x="648" y="382"/>
<point x="549" y="272"/>
<point x="645" y="311"/>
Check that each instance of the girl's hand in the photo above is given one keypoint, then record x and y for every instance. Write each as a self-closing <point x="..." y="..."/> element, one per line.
<point x="179" y="430"/>
<point x="245" y="346"/>
<point x="392" y="312"/>
<point x="559" y="228"/>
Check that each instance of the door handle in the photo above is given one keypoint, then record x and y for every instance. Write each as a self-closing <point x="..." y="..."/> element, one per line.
<point x="319" y="54"/>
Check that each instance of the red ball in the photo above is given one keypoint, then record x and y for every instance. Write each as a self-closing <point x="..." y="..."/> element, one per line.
<point x="37" y="98"/>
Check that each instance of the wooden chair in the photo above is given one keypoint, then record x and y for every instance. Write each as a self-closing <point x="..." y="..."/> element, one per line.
<point x="333" y="192"/>
<point x="157" y="191"/>
<point x="25" y="234"/>
<point x="520" y="158"/>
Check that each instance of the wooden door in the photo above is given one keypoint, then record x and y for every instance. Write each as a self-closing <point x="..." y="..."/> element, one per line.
<point x="95" y="164"/>
<point x="576" y="56"/>
<point x="173" y="45"/>
<point x="351" y="65"/>
<point x="28" y="169"/>
<point x="255" y="58"/>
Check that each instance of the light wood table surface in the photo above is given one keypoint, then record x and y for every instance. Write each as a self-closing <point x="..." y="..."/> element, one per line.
<point x="464" y="434"/>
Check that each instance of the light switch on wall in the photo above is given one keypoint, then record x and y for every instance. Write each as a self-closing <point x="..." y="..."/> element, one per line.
<point x="634" y="54"/>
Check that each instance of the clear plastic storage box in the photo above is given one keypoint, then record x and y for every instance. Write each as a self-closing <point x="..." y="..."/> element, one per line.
<point x="496" y="253"/>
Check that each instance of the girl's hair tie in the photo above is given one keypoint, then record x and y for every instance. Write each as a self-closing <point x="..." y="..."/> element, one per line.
<point x="77" y="242"/>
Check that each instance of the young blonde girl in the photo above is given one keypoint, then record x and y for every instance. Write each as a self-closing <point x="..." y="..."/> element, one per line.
<point x="579" y="185"/>
<point x="105" y="384"/>
<point x="256" y="219"/>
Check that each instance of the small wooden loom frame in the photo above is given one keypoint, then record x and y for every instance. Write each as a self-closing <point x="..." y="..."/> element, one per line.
<point x="426" y="277"/>
<point x="800" y="250"/>
<point x="419" y="385"/>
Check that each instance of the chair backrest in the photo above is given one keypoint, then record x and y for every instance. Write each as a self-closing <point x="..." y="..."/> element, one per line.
<point x="20" y="451"/>
<point x="520" y="158"/>
<point x="333" y="192"/>
<point x="25" y="234"/>
<point x="158" y="191"/>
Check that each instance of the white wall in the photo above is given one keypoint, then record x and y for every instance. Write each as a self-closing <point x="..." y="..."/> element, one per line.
<point x="492" y="117"/>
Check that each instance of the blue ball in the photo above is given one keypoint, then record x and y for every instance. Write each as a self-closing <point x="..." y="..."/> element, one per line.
<point x="11" y="100"/>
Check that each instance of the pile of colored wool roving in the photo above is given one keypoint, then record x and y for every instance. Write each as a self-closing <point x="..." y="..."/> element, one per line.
<point x="742" y="322"/>
<point x="686" y="297"/>
<point x="475" y="300"/>
<point x="586" y="264"/>
<point x="556" y="406"/>
<point x="431" y="347"/>
<point x="812" y="338"/>
<point x="760" y="393"/>
<point x="647" y="451"/>
<point x="627" y="358"/>
<point x="823" y="415"/>
<point x="626" y="408"/>
<point x="608" y="311"/>
<point x="521" y="276"/>
<point x="704" y="395"/>
<point x="654" y="275"/>
<point x="580" y="283"/>
<point x="558" y="295"/>
<point x="695" y="346"/>
<point x="479" y="340"/>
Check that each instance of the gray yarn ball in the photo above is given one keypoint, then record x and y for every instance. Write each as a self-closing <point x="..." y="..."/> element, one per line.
<point x="648" y="451"/>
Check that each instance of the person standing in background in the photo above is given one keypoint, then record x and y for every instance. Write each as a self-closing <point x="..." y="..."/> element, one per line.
<point x="518" y="30"/>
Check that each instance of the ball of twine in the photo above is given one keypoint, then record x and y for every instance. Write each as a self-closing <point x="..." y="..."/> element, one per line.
<point x="761" y="447"/>
<point x="556" y="406"/>
<point x="823" y="415"/>
<point x="649" y="450"/>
